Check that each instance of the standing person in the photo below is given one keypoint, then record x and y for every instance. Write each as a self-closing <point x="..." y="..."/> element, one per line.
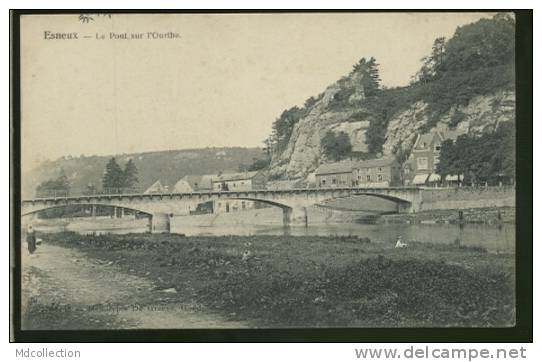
<point x="31" y="239"/>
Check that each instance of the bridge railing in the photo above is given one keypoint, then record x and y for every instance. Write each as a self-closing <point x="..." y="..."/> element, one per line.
<point x="137" y="193"/>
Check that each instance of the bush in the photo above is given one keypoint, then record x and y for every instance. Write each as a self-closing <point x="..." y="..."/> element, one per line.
<point x="336" y="146"/>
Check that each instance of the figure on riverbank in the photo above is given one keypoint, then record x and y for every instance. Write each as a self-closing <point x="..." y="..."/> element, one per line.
<point x="31" y="239"/>
<point x="399" y="243"/>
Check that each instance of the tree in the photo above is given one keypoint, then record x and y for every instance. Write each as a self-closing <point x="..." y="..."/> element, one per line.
<point x="113" y="176"/>
<point x="489" y="157"/>
<point x="447" y="159"/>
<point x="59" y="186"/>
<point x="372" y="84"/>
<point x="284" y="125"/>
<point x="370" y="79"/>
<point x="311" y="101"/>
<point x="485" y="43"/>
<point x="506" y="143"/>
<point x="62" y="182"/>
<point x="130" y="175"/>
<point x="336" y="146"/>
<point x="259" y="164"/>
<point x="90" y="189"/>
<point x="433" y="62"/>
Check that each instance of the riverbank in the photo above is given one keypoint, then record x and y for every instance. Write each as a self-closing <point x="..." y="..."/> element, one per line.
<point x="66" y="289"/>
<point x="491" y="216"/>
<point x="286" y="281"/>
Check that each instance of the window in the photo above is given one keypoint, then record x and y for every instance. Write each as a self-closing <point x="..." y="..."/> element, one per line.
<point x="333" y="180"/>
<point x="323" y="182"/>
<point x="437" y="148"/>
<point x="380" y="169"/>
<point x="422" y="163"/>
<point x="243" y="205"/>
<point x="359" y="177"/>
<point x="424" y="145"/>
<point x="368" y="177"/>
<point x="379" y="177"/>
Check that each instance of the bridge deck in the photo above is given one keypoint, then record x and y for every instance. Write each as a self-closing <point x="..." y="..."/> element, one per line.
<point x="225" y="193"/>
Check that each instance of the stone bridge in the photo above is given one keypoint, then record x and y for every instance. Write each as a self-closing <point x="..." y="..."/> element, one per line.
<point x="293" y="202"/>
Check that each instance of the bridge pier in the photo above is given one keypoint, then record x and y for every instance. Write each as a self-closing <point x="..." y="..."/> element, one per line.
<point x="295" y="216"/>
<point x="416" y="205"/>
<point x="404" y="208"/>
<point x="160" y="223"/>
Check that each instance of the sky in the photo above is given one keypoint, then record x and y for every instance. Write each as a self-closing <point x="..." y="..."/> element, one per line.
<point x="221" y="82"/>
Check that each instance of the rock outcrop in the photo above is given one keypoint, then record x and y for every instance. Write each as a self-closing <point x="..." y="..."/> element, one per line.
<point x="304" y="153"/>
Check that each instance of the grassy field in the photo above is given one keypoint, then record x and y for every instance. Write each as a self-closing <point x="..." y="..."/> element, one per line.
<point x="286" y="281"/>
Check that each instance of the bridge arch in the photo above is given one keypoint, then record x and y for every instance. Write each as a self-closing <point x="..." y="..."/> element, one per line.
<point x="61" y="206"/>
<point x="255" y="199"/>
<point x="393" y="198"/>
<point x="290" y="214"/>
<point x="402" y="204"/>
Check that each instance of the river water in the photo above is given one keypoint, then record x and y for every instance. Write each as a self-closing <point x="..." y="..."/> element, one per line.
<point x="492" y="237"/>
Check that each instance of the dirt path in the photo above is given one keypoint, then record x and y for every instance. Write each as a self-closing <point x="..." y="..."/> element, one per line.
<point x="64" y="289"/>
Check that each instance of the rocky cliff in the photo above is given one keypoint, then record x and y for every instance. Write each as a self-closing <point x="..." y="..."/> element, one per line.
<point x="304" y="153"/>
<point x="471" y="90"/>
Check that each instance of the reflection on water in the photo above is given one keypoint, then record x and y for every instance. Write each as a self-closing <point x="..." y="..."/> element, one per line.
<point x="490" y="237"/>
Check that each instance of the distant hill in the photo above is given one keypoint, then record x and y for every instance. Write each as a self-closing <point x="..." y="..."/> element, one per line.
<point x="166" y="166"/>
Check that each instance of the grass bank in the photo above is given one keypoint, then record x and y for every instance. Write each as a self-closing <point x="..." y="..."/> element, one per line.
<point x="286" y="281"/>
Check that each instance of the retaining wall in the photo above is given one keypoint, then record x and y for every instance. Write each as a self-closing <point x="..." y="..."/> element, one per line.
<point x="467" y="198"/>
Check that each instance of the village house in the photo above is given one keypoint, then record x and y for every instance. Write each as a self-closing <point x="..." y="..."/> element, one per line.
<point x="284" y="184"/>
<point x="420" y="168"/>
<point x="381" y="172"/>
<point x="224" y="206"/>
<point x="337" y="174"/>
<point x="239" y="181"/>
<point x="194" y="183"/>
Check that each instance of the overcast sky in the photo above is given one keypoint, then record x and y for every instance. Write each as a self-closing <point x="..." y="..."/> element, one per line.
<point x="222" y="83"/>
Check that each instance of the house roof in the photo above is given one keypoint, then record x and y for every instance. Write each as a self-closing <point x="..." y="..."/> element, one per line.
<point x="377" y="162"/>
<point x="335" y="167"/>
<point x="426" y="138"/>
<point x="443" y="135"/>
<point x="451" y="134"/>
<point x="282" y="184"/>
<point x="198" y="182"/>
<point x="235" y="176"/>
<point x="155" y="187"/>
<point x="420" y="179"/>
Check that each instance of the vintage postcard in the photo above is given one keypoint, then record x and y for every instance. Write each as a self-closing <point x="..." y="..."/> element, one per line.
<point x="267" y="170"/>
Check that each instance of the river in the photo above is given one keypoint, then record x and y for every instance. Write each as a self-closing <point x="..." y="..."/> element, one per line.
<point x="492" y="237"/>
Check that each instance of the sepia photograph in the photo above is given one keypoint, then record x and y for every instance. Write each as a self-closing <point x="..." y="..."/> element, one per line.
<point x="267" y="170"/>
